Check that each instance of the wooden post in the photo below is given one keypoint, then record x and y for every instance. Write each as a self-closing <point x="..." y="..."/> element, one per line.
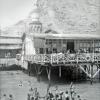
<point x="99" y="75"/>
<point x="38" y="71"/>
<point x="91" y="80"/>
<point x="38" y="74"/>
<point x="61" y="45"/>
<point x="29" y="68"/>
<point x="89" y="69"/>
<point x="49" y="75"/>
<point x="59" y="71"/>
<point x="97" y="67"/>
<point x="45" y="46"/>
<point x="93" y="52"/>
<point x="99" y="72"/>
<point x="48" y="69"/>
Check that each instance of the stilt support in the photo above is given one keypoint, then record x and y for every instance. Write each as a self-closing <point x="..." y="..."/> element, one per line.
<point x="29" y="68"/>
<point x="48" y="69"/>
<point x="59" y="71"/>
<point x="38" y="69"/>
<point x="91" y="79"/>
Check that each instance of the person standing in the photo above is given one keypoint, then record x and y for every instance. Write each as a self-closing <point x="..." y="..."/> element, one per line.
<point x="60" y="96"/>
<point x="74" y="96"/>
<point x="78" y="97"/>
<point x="51" y="96"/>
<point x="71" y="90"/>
<point x="66" y="96"/>
<point x="36" y="94"/>
<point x="30" y="94"/>
<point x="28" y="97"/>
<point x="10" y="97"/>
<point x="56" y="93"/>
<point x="4" y="97"/>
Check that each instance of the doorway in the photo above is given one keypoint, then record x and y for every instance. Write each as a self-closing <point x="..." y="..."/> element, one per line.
<point x="70" y="46"/>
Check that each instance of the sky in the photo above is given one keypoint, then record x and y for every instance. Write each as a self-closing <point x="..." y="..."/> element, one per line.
<point x="11" y="11"/>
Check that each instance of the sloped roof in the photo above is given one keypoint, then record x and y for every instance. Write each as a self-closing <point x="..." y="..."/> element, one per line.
<point x="68" y="36"/>
<point x="10" y="47"/>
<point x="10" y="40"/>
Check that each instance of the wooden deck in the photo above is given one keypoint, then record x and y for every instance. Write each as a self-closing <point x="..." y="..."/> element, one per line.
<point x="89" y="63"/>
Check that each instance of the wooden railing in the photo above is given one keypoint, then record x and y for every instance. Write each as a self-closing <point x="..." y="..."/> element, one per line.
<point x="63" y="58"/>
<point x="7" y="61"/>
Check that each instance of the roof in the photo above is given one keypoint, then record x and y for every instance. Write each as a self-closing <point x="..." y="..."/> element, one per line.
<point x="10" y="36"/>
<point x="10" y="40"/>
<point x="3" y="47"/>
<point x="35" y="22"/>
<point x="68" y="36"/>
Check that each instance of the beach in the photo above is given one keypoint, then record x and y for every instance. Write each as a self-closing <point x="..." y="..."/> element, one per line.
<point x="19" y="83"/>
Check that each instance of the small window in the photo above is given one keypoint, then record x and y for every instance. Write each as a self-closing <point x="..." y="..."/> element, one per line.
<point x="64" y="41"/>
<point x="54" y="50"/>
<point x="41" y="50"/>
<point x="50" y="41"/>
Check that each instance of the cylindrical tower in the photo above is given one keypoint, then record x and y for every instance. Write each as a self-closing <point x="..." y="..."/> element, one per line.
<point x="35" y="25"/>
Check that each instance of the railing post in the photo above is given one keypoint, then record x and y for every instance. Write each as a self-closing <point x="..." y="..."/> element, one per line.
<point x="43" y="58"/>
<point x="63" y="58"/>
<point x="59" y="71"/>
<point x="57" y="58"/>
<point x="99" y="73"/>
<point x="77" y="57"/>
<point x="93" y="53"/>
<point x="51" y="58"/>
<point x="48" y="69"/>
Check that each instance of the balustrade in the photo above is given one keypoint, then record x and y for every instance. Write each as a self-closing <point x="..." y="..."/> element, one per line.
<point x="63" y="58"/>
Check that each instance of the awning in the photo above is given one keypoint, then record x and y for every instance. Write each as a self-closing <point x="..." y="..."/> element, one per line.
<point x="68" y="36"/>
<point x="3" y="47"/>
<point x="10" y="41"/>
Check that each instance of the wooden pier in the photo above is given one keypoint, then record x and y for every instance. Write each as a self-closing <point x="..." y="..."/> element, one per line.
<point x="89" y="63"/>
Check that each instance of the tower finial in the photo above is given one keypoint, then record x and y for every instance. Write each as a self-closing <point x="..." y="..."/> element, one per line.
<point x="35" y="14"/>
<point x="36" y="3"/>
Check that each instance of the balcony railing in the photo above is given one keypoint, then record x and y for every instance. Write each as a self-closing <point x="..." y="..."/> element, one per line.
<point x="7" y="61"/>
<point x="63" y="58"/>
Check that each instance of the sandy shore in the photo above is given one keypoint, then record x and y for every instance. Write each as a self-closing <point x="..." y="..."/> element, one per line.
<point x="18" y="84"/>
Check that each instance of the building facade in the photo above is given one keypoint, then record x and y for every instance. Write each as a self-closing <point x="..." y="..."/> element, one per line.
<point x="9" y="47"/>
<point x="51" y="41"/>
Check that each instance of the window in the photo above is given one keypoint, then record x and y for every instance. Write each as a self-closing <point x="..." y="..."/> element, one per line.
<point x="64" y="41"/>
<point x="49" y="41"/>
<point x="41" y="50"/>
<point x="54" y="50"/>
<point x="90" y="46"/>
<point x="54" y="41"/>
<point x="85" y="46"/>
<point x="97" y="46"/>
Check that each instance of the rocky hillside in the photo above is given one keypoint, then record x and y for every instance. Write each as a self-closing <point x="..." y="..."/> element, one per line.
<point x="70" y="16"/>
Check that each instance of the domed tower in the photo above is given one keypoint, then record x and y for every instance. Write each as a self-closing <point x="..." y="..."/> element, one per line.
<point x="35" y="25"/>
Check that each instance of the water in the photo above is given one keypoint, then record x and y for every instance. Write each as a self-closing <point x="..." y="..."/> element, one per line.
<point x="18" y="84"/>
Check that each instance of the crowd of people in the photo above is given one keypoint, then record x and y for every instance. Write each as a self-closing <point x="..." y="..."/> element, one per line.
<point x="54" y="94"/>
<point x="5" y="97"/>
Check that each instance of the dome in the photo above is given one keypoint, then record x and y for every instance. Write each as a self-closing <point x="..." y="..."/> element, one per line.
<point x="35" y="13"/>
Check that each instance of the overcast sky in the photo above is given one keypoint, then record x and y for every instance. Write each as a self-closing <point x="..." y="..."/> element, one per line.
<point x="12" y="11"/>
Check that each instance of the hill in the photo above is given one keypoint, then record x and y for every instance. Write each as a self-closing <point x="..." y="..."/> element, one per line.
<point x="70" y="16"/>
